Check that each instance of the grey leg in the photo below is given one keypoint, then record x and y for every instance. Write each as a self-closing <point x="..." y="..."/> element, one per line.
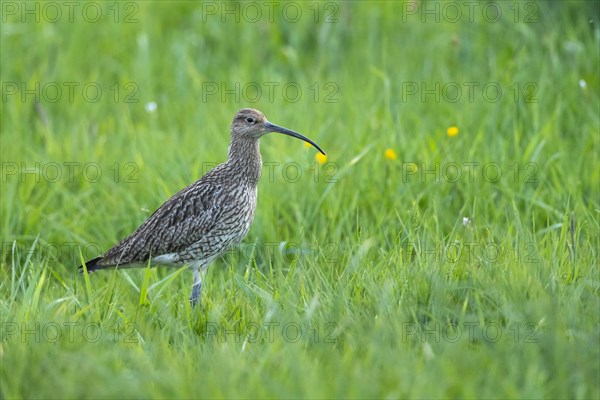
<point x="196" y="288"/>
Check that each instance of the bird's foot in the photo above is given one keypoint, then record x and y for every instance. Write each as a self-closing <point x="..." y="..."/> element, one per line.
<point x="194" y="301"/>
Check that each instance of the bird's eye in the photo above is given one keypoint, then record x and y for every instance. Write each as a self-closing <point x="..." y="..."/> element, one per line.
<point x="250" y="120"/>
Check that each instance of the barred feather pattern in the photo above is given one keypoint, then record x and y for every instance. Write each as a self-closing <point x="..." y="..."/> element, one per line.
<point x="202" y="220"/>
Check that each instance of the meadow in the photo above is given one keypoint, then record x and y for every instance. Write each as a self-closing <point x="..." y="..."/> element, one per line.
<point x="447" y="247"/>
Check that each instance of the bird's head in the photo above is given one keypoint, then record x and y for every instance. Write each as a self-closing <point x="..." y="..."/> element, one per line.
<point x="252" y="124"/>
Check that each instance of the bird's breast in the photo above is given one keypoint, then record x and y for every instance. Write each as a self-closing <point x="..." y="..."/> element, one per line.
<point x="241" y="208"/>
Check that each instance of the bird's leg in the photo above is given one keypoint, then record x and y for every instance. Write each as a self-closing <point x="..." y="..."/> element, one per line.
<point x="197" y="287"/>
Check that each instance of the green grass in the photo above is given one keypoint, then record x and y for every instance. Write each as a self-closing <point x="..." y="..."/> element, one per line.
<point x="358" y="278"/>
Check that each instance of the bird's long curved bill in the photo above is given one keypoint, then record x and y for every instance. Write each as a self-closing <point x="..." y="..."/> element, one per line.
<point x="279" y="129"/>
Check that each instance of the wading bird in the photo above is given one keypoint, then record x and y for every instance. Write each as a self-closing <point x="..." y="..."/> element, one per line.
<point x="201" y="221"/>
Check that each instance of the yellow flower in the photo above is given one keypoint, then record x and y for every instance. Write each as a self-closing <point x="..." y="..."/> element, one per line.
<point x="307" y="145"/>
<point x="321" y="158"/>
<point x="390" y="154"/>
<point x="452" y="131"/>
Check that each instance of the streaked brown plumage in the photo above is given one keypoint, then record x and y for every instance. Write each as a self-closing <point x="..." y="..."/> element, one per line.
<point x="201" y="221"/>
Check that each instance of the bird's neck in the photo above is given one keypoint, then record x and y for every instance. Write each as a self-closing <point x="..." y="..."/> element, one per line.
<point x="244" y="157"/>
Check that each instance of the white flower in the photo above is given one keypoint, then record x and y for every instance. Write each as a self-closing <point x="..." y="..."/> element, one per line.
<point x="151" y="106"/>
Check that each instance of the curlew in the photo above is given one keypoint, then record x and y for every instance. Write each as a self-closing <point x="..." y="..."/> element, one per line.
<point x="201" y="221"/>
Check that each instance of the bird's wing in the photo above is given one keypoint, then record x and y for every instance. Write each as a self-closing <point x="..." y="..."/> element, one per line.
<point x="181" y="221"/>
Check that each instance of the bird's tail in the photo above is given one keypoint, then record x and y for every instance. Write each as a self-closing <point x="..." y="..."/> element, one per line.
<point x="92" y="265"/>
